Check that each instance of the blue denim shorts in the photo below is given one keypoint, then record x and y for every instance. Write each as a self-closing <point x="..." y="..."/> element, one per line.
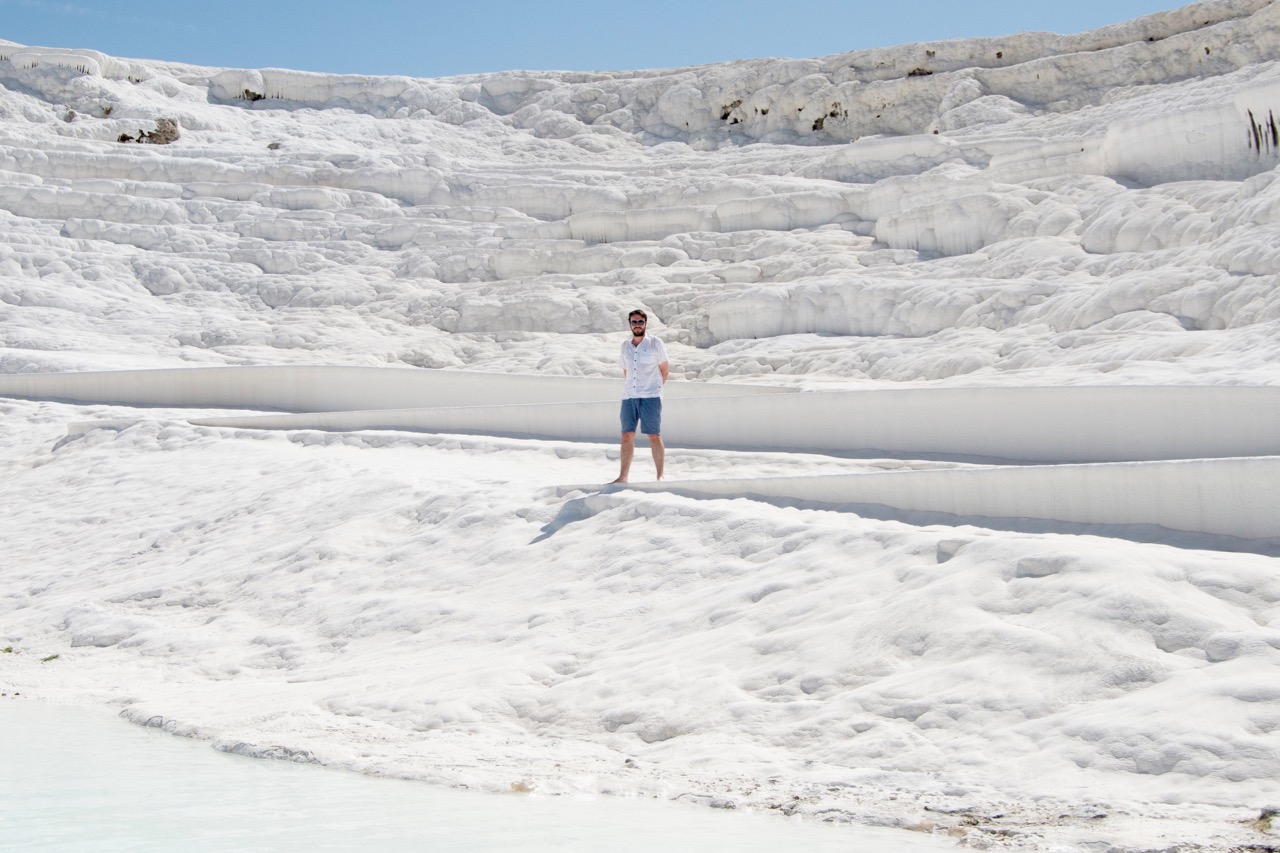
<point x="645" y="410"/>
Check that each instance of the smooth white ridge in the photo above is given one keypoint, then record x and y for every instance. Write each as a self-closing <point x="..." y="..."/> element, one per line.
<point x="1033" y="424"/>
<point x="327" y="388"/>
<point x="1220" y="497"/>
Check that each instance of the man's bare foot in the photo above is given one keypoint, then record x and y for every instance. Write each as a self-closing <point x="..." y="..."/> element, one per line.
<point x="617" y="481"/>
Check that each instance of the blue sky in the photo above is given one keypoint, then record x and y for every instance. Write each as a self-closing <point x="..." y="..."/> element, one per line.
<point x="436" y="38"/>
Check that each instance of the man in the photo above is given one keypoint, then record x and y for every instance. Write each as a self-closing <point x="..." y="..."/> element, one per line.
<point x="644" y="372"/>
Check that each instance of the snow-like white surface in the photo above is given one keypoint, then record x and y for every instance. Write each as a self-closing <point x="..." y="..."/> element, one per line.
<point x="1037" y="248"/>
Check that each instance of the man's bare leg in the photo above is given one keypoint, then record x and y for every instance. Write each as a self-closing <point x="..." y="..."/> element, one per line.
<point x="627" y="453"/>
<point x="659" y="452"/>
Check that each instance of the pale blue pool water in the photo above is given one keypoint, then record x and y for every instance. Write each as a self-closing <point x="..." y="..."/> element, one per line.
<point x="82" y="779"/>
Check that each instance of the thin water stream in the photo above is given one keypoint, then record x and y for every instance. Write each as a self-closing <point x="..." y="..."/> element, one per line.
<point x="81" y="779"/>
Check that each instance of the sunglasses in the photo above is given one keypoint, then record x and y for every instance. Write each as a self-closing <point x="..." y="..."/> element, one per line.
<point x="637" y="322"/>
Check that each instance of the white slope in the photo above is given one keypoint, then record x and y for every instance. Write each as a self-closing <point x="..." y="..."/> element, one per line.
<point x="973" y="223"/>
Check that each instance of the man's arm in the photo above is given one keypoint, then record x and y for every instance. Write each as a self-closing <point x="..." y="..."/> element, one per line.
<point x="665" y="369"/>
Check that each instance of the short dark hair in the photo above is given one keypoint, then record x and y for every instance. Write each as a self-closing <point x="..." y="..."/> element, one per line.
<point x="640" y="314"/>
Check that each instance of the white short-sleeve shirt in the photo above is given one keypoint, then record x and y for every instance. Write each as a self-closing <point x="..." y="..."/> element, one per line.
<point x="644" y="378"/>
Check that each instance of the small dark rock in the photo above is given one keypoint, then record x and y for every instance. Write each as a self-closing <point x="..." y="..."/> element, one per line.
<point x="166" y="131"/>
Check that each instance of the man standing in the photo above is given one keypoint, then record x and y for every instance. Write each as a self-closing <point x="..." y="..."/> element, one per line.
<point x="644" y="371"/>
